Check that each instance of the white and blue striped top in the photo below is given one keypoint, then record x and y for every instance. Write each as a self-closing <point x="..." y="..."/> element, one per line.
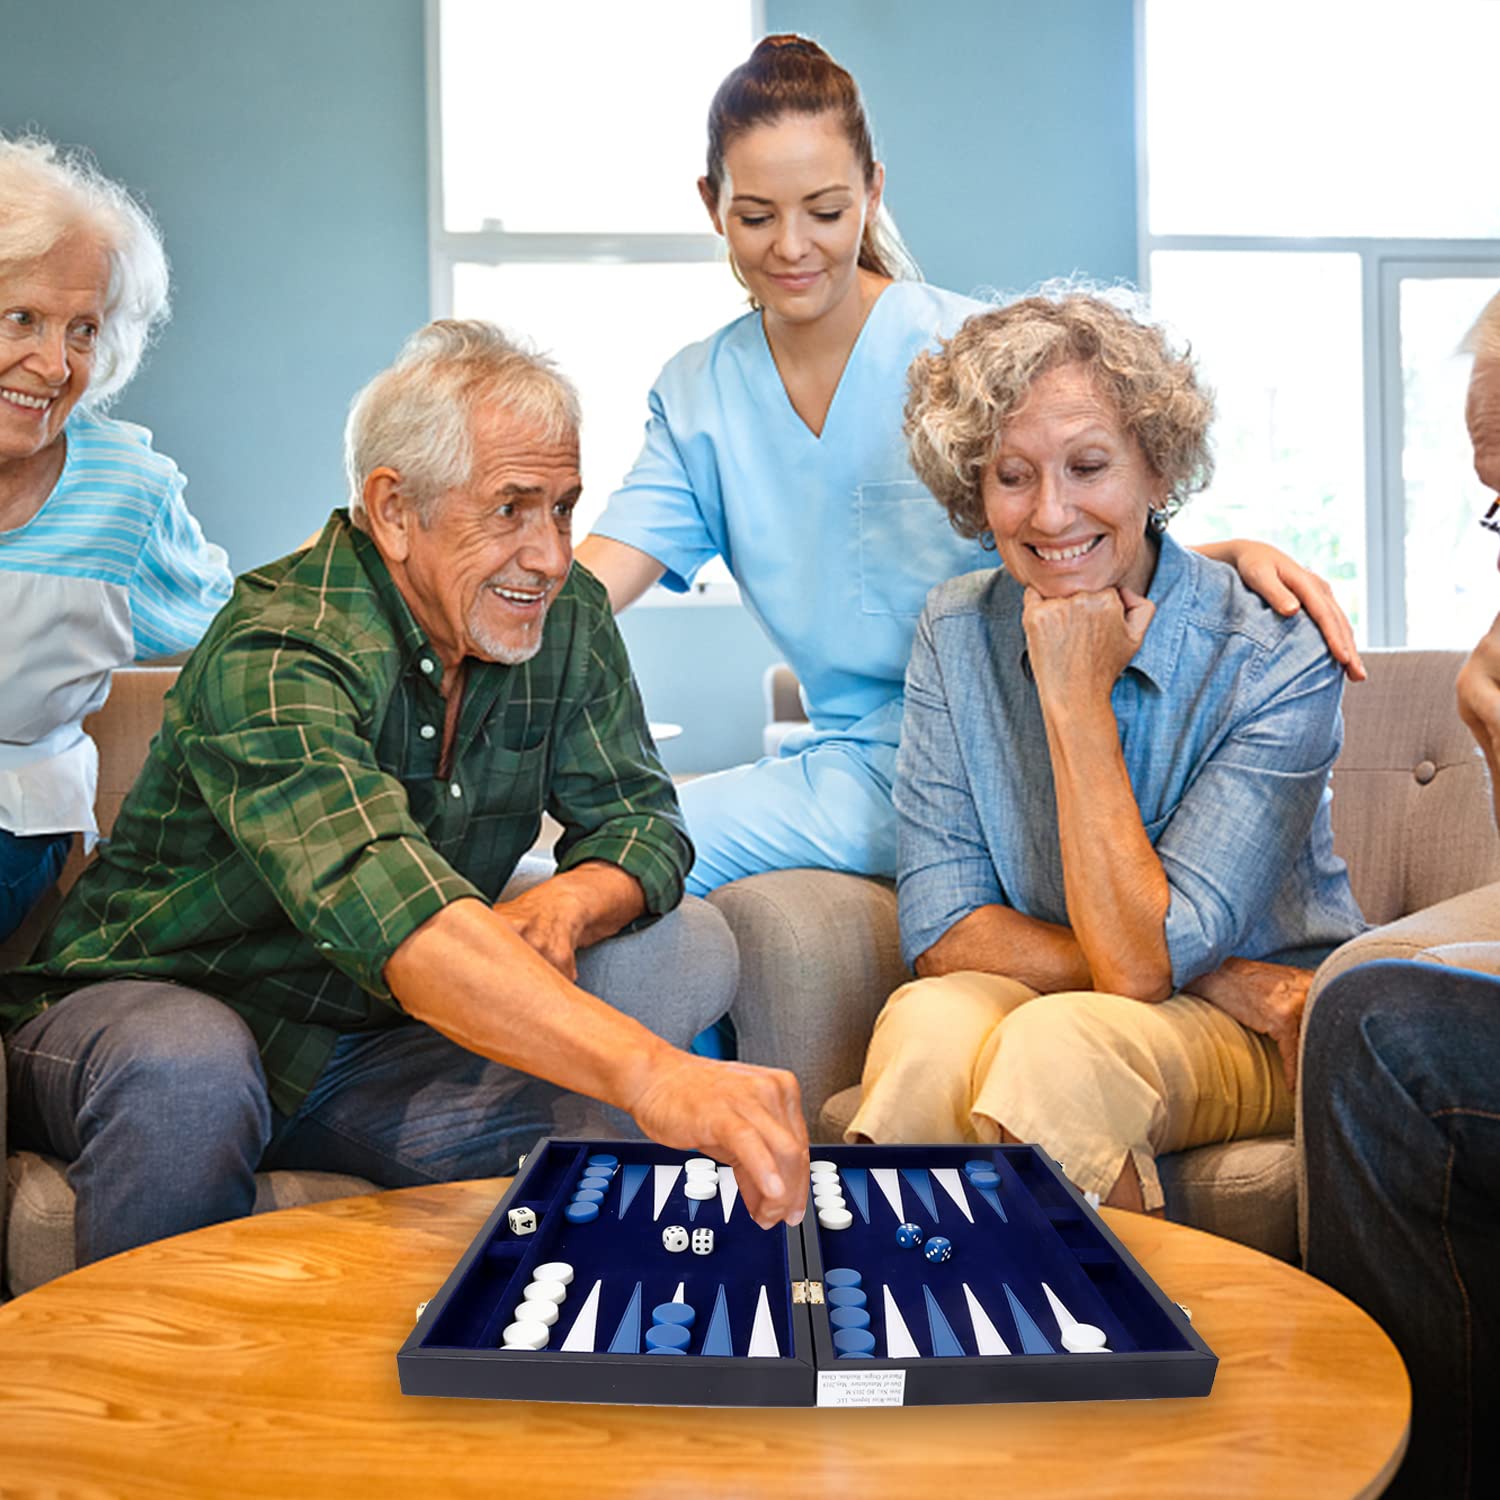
<point x="112" y="569"/>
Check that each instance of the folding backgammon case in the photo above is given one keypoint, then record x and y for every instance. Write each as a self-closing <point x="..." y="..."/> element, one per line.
<point x="812" y="1315"/>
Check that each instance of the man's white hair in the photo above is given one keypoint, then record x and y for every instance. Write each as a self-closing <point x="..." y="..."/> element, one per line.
<point x="47" y="193"/>
<point x="417" y="416"/>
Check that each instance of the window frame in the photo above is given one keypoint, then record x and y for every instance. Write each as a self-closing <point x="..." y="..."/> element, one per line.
<point x="1384" y="262"/>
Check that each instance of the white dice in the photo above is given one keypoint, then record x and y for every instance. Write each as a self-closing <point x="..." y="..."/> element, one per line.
<point x="674" y="1238"/>
<point x="703" y="1241"/>
<point x="522" y="1221"/>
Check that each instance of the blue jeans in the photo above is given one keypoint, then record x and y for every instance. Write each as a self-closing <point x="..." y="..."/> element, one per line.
<point x="29" y="863"/>
<point x="155" y="1096"/>
<point x="1401" y="1124"/>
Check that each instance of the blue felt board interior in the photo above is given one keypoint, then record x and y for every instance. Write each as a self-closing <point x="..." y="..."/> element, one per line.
<point x="620" y="1253"/>
<point x="1046" y="1235"/>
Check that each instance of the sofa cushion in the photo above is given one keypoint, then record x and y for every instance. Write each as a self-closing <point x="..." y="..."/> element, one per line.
<point x="39" y="1231"/>
<point x="1242" y="1190"/>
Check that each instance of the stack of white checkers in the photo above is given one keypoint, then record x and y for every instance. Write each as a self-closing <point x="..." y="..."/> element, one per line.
<point x="828" y="1196"/>
<point x="537" y="1310"/>
<point x="702" y="1178"/>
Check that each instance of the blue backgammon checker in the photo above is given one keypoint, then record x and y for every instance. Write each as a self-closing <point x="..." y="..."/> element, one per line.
<point x="989" y="1324"/>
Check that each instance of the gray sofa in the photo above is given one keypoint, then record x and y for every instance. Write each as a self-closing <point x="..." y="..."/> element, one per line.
<point x="1411" y="813"/>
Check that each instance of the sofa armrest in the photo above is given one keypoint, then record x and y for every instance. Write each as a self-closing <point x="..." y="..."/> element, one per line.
<point x="1462" y="932"/>
<point x="819" y="954"/>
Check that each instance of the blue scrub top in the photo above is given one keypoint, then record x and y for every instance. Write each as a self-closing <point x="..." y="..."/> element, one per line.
<point x="832" y="540"/>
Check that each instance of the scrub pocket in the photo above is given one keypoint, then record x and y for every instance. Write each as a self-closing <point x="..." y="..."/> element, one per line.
<point x="896" y="570"/>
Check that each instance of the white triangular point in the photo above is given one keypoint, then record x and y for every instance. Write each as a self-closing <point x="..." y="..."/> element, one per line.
<point x="662" y="1181"/>
<point x="898" y="1339"/>
<point x="987" y="1339"/>
<point x="580" y="1339"/>
<point x="763" y="1335"/>
<point x="952" y="1183"/>
<point x="890" y="1184"/>
<point x="1065" y="1319"/>
<point x="677" y="1295"/>
<point x="729" y="1190"/>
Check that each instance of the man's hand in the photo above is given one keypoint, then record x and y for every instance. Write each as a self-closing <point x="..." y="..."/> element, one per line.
<point x="1287" y="587"/>
<point x="550" y="921"/>
<point x="1268" y="998"/>
<point x="1080" y="644"/>
<point x="583" y="905"/>
<point x="749" y="1117"/>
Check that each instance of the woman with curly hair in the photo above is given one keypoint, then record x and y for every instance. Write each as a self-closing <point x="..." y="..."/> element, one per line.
<point x="1113" y="777"/>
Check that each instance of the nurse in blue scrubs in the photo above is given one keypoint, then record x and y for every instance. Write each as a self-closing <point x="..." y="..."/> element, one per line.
<point x="776" y="444"/>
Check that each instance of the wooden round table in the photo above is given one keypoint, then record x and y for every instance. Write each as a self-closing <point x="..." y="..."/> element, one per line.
<point x="259" y="1358"/>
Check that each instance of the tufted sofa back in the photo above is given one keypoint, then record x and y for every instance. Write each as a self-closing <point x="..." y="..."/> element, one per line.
<point x="1411" y="805"/>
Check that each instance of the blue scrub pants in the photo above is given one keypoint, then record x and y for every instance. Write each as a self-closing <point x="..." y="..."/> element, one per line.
<point x="826" y="807"/>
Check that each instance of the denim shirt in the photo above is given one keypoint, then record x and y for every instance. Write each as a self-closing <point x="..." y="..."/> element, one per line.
<point x="1229" y="724"/>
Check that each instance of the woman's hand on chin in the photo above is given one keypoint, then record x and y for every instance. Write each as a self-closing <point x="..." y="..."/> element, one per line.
<point x="1079" y="644"/>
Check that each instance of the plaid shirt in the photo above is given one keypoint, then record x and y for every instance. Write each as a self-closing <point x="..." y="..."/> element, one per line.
<point x="290" y="828"/>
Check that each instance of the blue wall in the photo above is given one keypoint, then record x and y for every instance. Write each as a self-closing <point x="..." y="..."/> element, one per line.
<point x="1007" y="128"/>
<point x="281" y="144"/>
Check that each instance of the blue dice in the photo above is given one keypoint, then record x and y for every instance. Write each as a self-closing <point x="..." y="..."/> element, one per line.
<point x="938" y="1249"/>
<point x="908" y="1236"/>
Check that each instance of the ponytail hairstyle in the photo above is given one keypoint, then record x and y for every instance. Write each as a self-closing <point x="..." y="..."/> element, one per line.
<point x="788" y="74"/>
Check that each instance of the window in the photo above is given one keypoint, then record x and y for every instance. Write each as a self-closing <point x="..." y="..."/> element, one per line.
<point x="1320" y="215"/>
<point x="564" y="199"/>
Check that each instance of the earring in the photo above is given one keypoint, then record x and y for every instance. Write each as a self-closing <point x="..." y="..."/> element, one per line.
<point x="1157" y="517"/>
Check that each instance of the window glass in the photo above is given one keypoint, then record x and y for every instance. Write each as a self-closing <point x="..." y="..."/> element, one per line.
<point x="1452" y="588"/>
<point x="581" y="116"/>
<point x="1278" y="338"/>
<point x="1341" y="117"/>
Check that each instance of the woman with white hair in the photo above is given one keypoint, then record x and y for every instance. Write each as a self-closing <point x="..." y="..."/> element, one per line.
<point x="101" y="563"/>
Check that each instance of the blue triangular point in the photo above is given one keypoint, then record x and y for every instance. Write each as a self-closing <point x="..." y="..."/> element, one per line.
<point x="1033" y="1341"/>
<point x="858" y="1183"/>
<point x="991" y="1197"/>
<point x="631" y="1179"/>
<point x="945" y="1343"/>
<point x="716" y="1340"/>
<point x="692" y="1209"/>
<point x="627" y="1339"/>
<point x="919" y="1182"/>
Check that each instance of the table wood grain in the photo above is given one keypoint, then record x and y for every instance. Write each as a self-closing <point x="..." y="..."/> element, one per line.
<point x="259" y="1358"/>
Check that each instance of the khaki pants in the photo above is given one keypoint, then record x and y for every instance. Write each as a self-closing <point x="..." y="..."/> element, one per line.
<point x="1089" y="1077"/>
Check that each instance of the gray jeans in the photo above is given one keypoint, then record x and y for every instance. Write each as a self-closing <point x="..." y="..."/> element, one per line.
<point x="155" y="1096"/>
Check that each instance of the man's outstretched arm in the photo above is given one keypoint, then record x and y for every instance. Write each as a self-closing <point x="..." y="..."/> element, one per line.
<point x="467" y="973"/>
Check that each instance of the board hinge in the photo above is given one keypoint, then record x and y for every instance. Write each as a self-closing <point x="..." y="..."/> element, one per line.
<point x="807" y="1291"/>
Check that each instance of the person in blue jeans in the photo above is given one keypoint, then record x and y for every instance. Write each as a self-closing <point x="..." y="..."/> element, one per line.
<point x="1401" y="1126"/>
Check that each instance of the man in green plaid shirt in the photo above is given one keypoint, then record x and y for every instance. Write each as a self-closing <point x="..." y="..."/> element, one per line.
<point x="295" y="950"/>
